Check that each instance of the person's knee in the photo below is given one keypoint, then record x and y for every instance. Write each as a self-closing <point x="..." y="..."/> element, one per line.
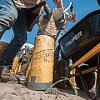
<point x="8" y="16"/>
<point x="12" y="16"/>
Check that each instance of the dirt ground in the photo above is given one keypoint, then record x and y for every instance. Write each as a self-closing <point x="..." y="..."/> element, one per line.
<point x="12" y="91"/>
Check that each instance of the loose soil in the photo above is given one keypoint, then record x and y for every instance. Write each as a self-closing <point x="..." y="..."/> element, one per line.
<point x="12" y="91"/>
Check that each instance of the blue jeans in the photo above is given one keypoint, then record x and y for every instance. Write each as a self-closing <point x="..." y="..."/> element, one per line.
<point x="60" y="33"/>
<point x="10" y="16"/>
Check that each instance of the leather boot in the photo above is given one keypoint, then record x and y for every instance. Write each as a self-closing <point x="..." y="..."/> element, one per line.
<point x="1" y="78"/>
<point x="5" y="76"/>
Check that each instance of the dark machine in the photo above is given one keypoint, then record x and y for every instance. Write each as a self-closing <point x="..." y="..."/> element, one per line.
<point x="81" y="44"/>
<point x="82" y="37"/>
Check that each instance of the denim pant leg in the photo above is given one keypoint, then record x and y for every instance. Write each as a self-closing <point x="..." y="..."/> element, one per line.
<point x="20" y="37"/>
<point x="60" y="33"/>
<point x="8" y="15"/>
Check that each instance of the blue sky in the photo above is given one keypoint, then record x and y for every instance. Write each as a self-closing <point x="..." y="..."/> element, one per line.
<point x="81" y="8"/>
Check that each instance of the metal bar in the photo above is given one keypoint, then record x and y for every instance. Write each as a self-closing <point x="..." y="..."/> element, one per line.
<point x="87" y="56"/>
<point x="83" y="82"/>
<point x="84" y="71"/>
<point x="97" y="93"/>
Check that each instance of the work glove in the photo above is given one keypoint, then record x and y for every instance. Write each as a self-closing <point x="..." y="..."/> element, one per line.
<point x="47" y="10"/>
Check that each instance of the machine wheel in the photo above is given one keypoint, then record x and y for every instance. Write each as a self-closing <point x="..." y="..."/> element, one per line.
<point x="88" y="77"/>
<point x="61" y="69"/>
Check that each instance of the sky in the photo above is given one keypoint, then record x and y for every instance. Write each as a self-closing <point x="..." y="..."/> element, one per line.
<point x="81" y="8"/>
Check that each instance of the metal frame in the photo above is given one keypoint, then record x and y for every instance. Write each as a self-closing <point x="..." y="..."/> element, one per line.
<point x="95" y="50"/>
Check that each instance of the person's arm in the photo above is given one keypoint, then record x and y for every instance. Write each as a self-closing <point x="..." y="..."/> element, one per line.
<point x="68" y="18"/>
<point x="47" y="8"/>
<point x="71" y="18"/>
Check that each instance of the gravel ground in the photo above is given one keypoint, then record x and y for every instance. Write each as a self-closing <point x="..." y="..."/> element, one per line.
<point x="11" y="91"/>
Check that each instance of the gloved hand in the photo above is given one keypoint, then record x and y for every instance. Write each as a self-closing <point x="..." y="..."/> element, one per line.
<point x="47" y="10"/>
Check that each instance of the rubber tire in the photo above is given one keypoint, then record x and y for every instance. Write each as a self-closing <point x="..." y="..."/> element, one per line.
<point x="61" y="70"/>
<point x="88" y="77"/>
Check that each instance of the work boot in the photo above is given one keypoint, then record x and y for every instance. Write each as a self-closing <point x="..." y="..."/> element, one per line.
<point x="1" y="78"/>
<point x="5" y="76"/>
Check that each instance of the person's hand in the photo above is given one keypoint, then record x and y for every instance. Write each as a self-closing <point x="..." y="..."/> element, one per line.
<point x="48" y="10"/>
<point x="49" y="14"/>
<point x="73" y="13"/>
<point x="74" y="16"/>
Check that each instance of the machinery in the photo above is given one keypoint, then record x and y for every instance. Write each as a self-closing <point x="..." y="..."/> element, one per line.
<point x="81" y="44"/>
